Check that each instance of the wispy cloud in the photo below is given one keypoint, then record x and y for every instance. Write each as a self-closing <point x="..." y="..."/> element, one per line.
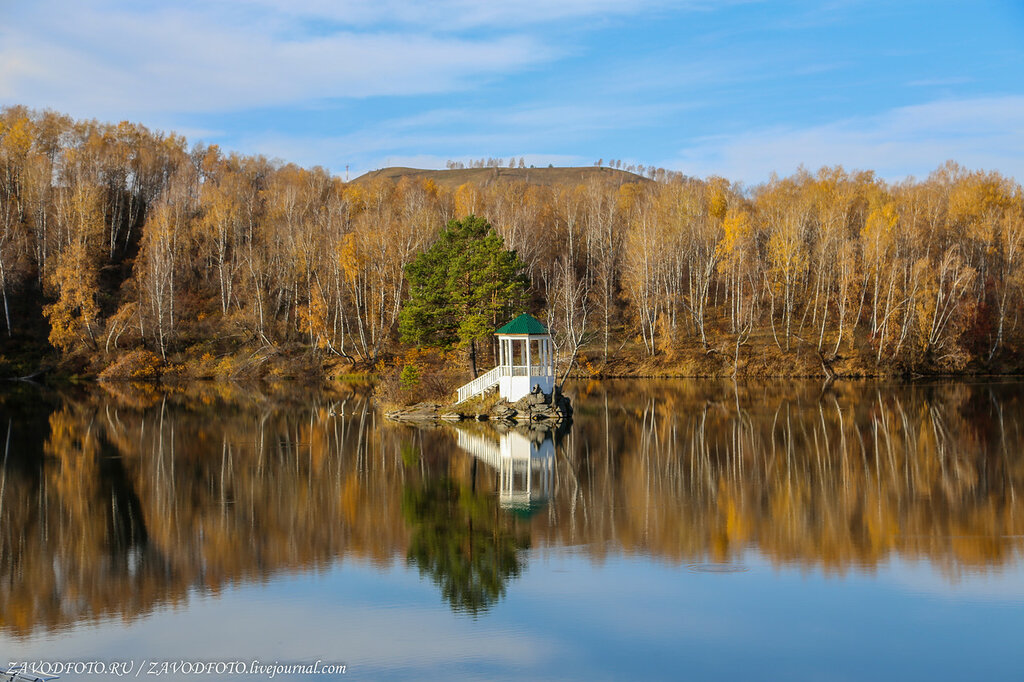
<point x="428" y="139"/>
<point x="978" y="133"/>
<point x="123" y="59"/>
<point x="454" y="15"/>
<point x="118" y="58"/>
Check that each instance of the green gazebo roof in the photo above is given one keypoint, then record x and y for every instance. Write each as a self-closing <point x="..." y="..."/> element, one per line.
<point x="524" y="324"/>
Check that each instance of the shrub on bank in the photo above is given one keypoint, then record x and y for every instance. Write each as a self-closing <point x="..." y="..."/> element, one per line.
<point x="138" y="364"/>
<point x="420" y="375"/>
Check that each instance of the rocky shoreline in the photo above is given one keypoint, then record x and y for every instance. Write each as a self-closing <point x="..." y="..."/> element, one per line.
<point x="554" y="409"/>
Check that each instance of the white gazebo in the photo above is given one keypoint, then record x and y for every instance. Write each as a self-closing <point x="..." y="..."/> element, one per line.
<point x="525" y="360"/>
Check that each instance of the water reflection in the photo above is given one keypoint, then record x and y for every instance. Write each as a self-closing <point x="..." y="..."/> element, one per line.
<point x="462" y="541"/>
<point x="524" y="459"/>
<point x="839" y="479"/>
<point x="120" y="501"/>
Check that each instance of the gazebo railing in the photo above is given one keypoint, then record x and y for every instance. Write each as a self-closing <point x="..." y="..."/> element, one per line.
<point x="486" y="381"/>
<point x="480" y="384"/>
<point x="524" y="371"/>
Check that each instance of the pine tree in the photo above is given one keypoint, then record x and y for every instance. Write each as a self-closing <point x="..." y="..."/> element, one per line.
<point x="462" y="287"/>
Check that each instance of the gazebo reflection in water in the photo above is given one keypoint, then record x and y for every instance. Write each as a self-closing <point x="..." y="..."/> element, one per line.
<point x="524" y="460"/>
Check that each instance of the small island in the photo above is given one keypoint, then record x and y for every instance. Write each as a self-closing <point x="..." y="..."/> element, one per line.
<point x="524" y="382"/>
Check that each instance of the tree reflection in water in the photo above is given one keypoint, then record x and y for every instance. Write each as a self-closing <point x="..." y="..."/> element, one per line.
<point x="119" y="502"/>
<point x="460" y="537"/>
<point x="839" y="478"/>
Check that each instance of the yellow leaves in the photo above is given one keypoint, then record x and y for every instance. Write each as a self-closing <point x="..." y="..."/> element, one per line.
<point x="786" y="251"/>
<point x="349" y="257"/>
<point x="80" y="213"/>
<point x="355" y="195"/>
<point x="718" y="205"/>
<point x="718" y="197"/>
<point x="977" y="197"/>
<point x="629" y="197"/>
<point x="313" y="319"/>
<point x="211" y="160"/>
<point x="738" y="230"/>
<point x="940" y="304"/>
<point x="16" y="138"/>
<point x="75" y="311"/>
<point x="467" y="200"/>
<point x="986" y="209"/>
<point x="220" y="201"/>
<point x="175" y="145"/>
<point x="1011" y="229"/>
<point x="924" y="307"/>
<point x="432" y="189"/>
<point x="138" y="364"/>
<point x="881" y="222"/>
<point x="879" y="233"/>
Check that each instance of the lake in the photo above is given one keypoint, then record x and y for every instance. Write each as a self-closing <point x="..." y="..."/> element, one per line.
<point x="676" y="530"/>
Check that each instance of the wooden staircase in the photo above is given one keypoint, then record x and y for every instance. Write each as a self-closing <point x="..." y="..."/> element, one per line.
<point x="481" y="384"/>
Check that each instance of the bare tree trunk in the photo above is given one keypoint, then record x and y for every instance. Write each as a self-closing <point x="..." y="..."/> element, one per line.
<point x="3" y="288"/>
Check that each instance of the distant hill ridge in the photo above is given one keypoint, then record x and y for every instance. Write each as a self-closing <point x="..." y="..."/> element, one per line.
<point x="537" y="176"/>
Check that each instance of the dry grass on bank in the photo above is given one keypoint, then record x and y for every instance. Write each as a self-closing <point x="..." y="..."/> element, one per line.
<point x="421" y="375"/>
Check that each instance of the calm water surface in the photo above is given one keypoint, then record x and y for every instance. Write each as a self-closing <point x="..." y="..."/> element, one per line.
<point x="678" y="530"/>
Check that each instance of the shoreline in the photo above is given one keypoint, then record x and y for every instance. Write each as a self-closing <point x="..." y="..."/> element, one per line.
<point x="53" y="376"/>
<point x="299" y="366"/>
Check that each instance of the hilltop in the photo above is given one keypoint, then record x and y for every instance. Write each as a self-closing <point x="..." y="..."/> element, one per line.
<point x="536" y="176"/>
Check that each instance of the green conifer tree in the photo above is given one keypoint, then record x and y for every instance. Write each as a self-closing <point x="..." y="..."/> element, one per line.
<point x="462" y="287"/>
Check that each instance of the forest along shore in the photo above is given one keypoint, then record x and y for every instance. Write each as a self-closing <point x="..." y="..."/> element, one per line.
<point x="129" y="254"/>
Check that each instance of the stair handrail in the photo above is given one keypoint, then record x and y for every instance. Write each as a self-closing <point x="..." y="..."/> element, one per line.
<point x="479" y="385"/>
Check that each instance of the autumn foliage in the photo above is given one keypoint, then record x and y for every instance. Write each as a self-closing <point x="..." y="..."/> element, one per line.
<point x="121" y="239"/>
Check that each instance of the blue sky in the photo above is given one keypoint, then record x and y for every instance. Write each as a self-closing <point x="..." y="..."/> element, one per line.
<point x="738" y="88"/>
